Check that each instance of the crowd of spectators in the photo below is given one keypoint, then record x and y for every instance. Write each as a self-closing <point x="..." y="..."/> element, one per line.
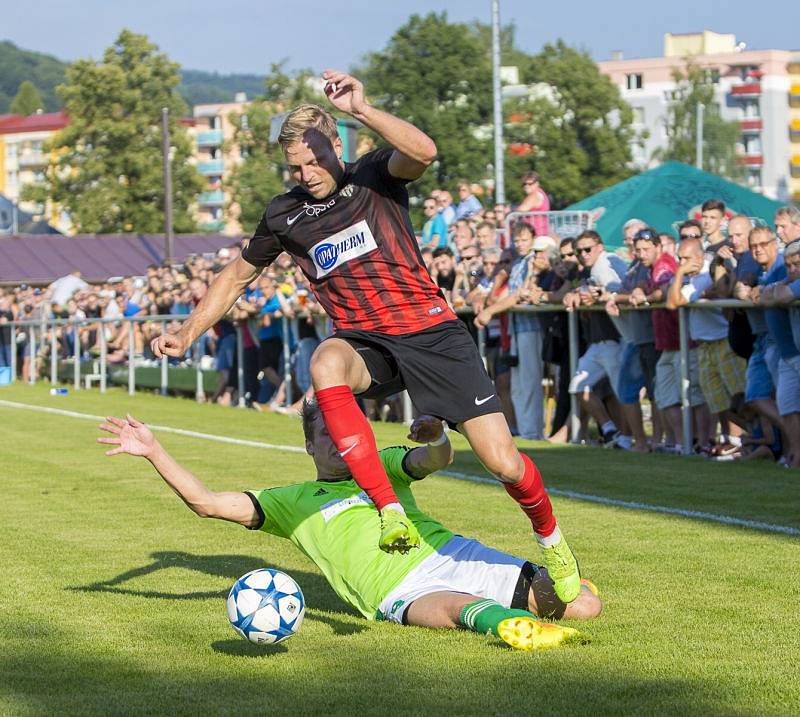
<point x="744" y="362"/>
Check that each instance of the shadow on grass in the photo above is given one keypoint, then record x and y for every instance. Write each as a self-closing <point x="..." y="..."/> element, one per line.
<point x="372" y="681"/>
<point x="232" y="567"/>
<point x="242" y="648"/>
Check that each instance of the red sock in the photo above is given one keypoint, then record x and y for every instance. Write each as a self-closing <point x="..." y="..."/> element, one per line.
<point x="532" y="498"/>
<point x="353" y="438"/>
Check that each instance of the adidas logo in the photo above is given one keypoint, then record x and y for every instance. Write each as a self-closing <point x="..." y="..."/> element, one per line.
<point x="320" y="492"/>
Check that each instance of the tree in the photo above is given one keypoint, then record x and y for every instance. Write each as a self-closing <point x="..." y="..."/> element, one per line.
<point x="573" y="127"/>
<point x="28" y="100"/>
<point x="108" y="175"/>
<point x="437" y="75"/>
<point x="582" y="143"/>
<point x="259" y="178"/>
<point x="694" y="86"/>
<point x="18" y="65"/>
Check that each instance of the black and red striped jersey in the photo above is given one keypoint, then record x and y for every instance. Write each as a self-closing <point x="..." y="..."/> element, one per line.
<point x="357" y="250"/>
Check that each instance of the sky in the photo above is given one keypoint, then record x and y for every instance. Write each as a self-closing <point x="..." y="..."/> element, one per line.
<point x="248" y="35"/>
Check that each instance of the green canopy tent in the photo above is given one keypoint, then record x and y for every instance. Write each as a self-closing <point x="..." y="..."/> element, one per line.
<point x="666" y="195"/>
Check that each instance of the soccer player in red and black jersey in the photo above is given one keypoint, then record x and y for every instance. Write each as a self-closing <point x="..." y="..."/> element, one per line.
<point x="348" y="229"/>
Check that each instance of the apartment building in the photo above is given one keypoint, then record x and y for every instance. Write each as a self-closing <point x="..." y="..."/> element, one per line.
<point x="759" y="89"/>
<point x="23" y="159"/>
<point x="217" y="155"/>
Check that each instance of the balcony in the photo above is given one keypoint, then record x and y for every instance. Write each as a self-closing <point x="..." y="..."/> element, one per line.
<point x="32" y="159"/>
<point x="210" y="138"/>
<point x="750" y="126"/>
<point x="211" y="199"/>
<point x="751" y="160"/>
<point x="794" y="130"/>
<point x="216" y="225"/>
<point x="213" y="166"/>
<point x="794" y="91"/>
<point x="796" y="161"/>
<point x="746" y="89"/>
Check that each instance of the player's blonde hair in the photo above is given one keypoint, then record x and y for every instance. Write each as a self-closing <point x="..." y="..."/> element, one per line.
<point x="303" y="118"/>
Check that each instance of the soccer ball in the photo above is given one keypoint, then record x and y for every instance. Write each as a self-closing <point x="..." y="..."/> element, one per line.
<point x="266" y="606"/>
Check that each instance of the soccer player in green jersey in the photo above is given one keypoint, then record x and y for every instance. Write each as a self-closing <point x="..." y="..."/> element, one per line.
<point x="449" y="582"/>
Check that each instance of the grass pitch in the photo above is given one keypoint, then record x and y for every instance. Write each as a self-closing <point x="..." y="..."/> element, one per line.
<point x="112" y="597"/>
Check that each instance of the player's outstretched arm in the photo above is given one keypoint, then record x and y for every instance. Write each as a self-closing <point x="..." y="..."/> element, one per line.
<point x="414" y="150"/>
<point x="134" y="438"/>
<point x="436" y="455"/>
<point x="224" y="290"/>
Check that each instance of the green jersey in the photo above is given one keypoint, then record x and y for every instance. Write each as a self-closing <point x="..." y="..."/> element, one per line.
<point x="337" y="526"/>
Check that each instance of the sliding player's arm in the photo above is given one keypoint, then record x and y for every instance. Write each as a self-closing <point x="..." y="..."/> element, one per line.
<point x="135" y="438"/>
<point x="435" y="455"/>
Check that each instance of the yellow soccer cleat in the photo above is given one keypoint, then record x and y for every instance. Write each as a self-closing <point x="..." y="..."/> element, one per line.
<point x="525" y="633"/>
<point x="398" y="533"/>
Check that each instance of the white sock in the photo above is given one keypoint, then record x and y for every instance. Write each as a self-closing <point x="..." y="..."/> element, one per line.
<point x="735" y="441"/>
<point x="394" y="506"/>
<point x="609" y="427"/>
<point x="550" y="540"/>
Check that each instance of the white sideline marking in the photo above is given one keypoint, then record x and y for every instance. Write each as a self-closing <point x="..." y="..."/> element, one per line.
<point x="160" y="429"/>
<point x="588" y="497"/>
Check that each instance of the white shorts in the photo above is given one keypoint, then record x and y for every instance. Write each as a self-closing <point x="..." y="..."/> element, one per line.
<point x="461" y="565"/>
<point x="601" y="359"/>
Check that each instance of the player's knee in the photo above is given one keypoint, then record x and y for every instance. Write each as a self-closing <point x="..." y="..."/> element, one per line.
<point x="506" y="465"/>
<point x="328" y="367"/>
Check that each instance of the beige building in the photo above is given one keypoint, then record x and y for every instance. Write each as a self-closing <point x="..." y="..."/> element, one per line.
<point x="217" y="154"/>
<point x="24" y="161"/>
<point x="759" y="89"/>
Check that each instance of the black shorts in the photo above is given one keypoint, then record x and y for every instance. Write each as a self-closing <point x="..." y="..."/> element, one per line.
<point x="648" y="357"/>
<point x="440" y="368"/>
<point x="269" y="353"/>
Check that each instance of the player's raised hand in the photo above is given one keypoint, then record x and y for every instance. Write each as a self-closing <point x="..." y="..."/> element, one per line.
<point x="128" y="435"/>
<point x="169" y="345"/>
<point x="425" y="429"/>
<point x="344" y="91"/>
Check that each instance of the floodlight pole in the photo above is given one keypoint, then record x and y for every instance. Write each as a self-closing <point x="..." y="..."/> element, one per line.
<point x="167" y="184"/>
<point x="499" y="168"/>
<point x="699" y="136"/>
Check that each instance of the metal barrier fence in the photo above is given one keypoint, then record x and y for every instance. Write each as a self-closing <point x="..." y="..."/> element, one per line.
<point x="48" y="328"/>
<point x="562" y="224"/>
<point x="42" y="330"/>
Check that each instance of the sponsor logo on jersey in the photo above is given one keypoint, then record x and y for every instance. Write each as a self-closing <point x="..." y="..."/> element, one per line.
<point x="344" y="246"/>
<point x="347" y="191"/>
<point x="334" y="507"/>
<point x="310" y="210"/>
<point x="435" y="310"/>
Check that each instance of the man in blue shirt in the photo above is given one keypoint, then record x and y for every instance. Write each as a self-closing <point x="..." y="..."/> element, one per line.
<point x="434" y="231"/>
<point x="468" y="203"/>
<point x="762" y="367"/>
<point x="781" y="285"/>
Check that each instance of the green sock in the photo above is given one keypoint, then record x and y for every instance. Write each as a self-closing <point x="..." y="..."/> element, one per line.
<point x="485" y="615"/>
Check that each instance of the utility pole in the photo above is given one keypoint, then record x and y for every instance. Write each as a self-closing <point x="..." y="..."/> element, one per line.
<point x="698" y="156"/>
<point x="165" y="150"/>
<point x="499" y="167"/>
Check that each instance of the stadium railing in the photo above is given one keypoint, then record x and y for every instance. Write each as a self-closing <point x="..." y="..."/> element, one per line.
<point x="561" y="223"/>
<point x="46" y="331"/>
<point x="40" y="331"/>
